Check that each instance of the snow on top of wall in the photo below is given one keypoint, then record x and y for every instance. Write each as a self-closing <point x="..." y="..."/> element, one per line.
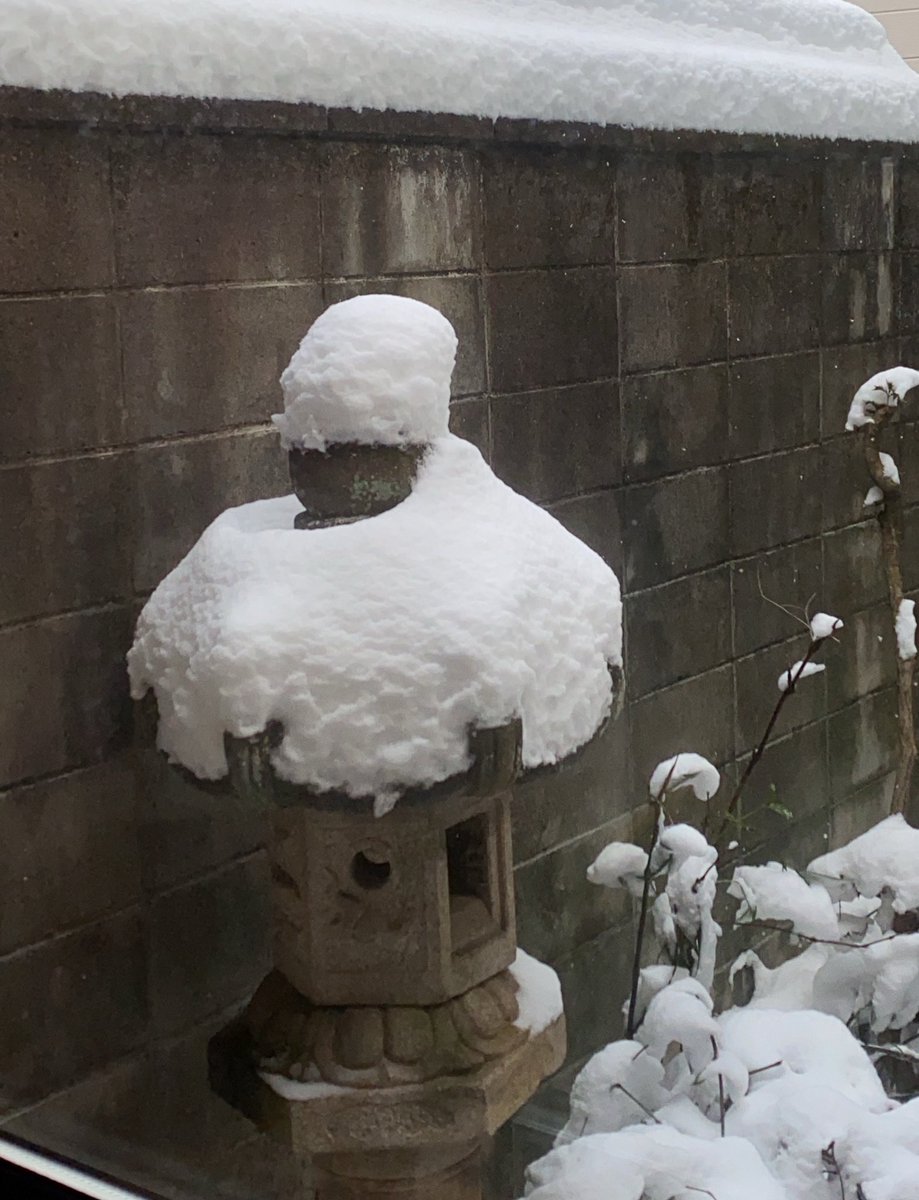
<point x="378" y="644"/>
<point x="808" y="67"/>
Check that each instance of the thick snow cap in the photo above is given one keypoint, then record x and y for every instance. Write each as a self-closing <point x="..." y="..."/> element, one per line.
<point x="375" y="369"/>
<point x="812" y="67"/>
<point x="379" y="644"/>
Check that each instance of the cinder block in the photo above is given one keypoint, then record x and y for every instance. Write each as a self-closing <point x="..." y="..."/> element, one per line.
<point x="70" y="1005"/>
<point x="71" y="852"/>
<point x="59" y="376"/>
<point x="214" y="209"/>
<point x="775" y="305"/>
<point x="55" y="211"/>
<point x="551" y="327"/>
<point x="557" y="443"/>
<point x="66" y="698"/>
<point x="210" y="945"/>
<point x="64" y="535"/>
<point x="398" y="209"/>
<point x="674" y="526"/>
<point x="775" y="403"/>
<point x="199" y="360"/>
<point x="672" y="316"/>
<point x="673" y="421"/>
<point x="677" y="630"/>
<point x="547" y="208"/>
<point x="671" y="208"/>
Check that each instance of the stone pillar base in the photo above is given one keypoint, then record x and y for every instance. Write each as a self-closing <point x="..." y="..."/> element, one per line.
<point x="384" y="1177"/>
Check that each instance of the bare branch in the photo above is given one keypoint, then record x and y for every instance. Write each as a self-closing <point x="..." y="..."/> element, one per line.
<point x="618" y="1087"/>
<point x="787" y="611"/>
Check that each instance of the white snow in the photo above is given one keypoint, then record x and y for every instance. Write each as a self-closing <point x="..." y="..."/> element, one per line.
<point x="820" y="67"/>
<point x="906" y="629"/>
<point x="804" y="1111"/>
<point x="614" y="1089"/>
<point x="882" y="391"/>
<point x="679" y="842"/>
<point x="619" y="865"/>
<point x="874" y="495"/>
<point x="815" y="1046"/>
<point x="539" y="994"/>
<point x="824" y="625"/>
<point x="884" y="976"/>
<point x="685" y="770"/>
<point x="651" y="1162"/>
<point x="292" y="1089"/>
<point x="681" y="1013"/>
<point x="798" y="671"/>
<point x="378" y="644"/>
<point x="889" y="468"/>
<point x="789" y="986"/>
<point x="776" y="893"/>
<point x="374" y="369"/>
<point x="882" y="860"/>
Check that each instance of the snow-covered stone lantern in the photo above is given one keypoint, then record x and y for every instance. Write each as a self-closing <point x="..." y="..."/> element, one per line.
<point x="377" y="658"/>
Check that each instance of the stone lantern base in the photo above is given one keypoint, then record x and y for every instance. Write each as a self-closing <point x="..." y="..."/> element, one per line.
<point x="413" y="1142"/>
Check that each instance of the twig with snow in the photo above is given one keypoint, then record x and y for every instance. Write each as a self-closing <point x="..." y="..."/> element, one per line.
<point x="874" y="405"/>
<point x="657" y="801"/>
<point x="794" y="674"/>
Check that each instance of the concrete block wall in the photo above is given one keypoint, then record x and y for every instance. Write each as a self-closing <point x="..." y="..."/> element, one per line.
<point x="659" y="335"/>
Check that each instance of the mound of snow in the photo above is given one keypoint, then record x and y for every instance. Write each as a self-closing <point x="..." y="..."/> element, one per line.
<point x="816" y="1047"/>
<point x="372" y="369"/>
<point x="883" y="975"/>
<point x="617" y="1087"/>
<point x="651" y="1162"/>
<point x="819" y="67"/>
<point x="539" y="993"/>
<point x="883" y="858"/>
<point x="378" y="644"/>
<point x="776" y="893"/>
<point x="884" y="390"/>
<point x="682" y="771"/>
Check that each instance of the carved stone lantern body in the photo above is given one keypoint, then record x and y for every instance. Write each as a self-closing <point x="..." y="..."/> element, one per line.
<point x="414" y="909"/>
<point x="400" y="1025"/>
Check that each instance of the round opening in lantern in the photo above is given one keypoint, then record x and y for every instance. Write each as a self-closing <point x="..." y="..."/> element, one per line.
<point x="369" y="873"/>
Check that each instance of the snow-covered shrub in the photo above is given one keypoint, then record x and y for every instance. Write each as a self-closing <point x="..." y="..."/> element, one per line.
<point x="780" y="1099"/>
<point x="776" y="1100"/>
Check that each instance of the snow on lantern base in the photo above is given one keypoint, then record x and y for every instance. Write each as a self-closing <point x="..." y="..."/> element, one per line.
<point x="378" y="670"/>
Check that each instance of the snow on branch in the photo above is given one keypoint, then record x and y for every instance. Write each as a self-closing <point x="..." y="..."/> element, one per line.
<point x="906" y="629"/>
<point x="682" y="771"/>
<point x="824" y="625"/>
<point x="879" y="395"/>
<point x="798" y="671"/>
<point x="776" y="893"/>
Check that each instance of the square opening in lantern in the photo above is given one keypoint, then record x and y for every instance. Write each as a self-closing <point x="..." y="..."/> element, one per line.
<point x="471" y="883"/>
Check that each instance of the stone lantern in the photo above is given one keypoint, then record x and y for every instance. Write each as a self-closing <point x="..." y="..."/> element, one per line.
<point x="400" y="1025"/>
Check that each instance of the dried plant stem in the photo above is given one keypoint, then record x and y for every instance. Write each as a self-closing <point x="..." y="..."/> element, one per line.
<point x="618" y="1087"/>
<point x="721" y="1104"/>
<point x="814" y="941"/>
<point x="760" y="750"/>
<point x="642" y="920"/>
<point x="890" y="520"/>
<point x="657" y="803"/>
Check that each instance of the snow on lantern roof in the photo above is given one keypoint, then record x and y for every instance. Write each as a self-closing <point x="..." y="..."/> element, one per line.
<point x="374" y="369"/>
<point x="377" y="644"/>
<point x="801" y="67"/>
